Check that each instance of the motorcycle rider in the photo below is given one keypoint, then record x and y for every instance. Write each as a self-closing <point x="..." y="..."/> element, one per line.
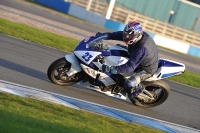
<point x="143" y="59"/>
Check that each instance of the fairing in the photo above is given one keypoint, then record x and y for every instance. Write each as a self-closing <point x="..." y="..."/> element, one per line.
<point x="86" y="53"/>
<point x="167" y="68"/>
<point x="87" y="50"/>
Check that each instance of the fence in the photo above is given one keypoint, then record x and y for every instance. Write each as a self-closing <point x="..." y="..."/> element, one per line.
<point x="152" y="25"/>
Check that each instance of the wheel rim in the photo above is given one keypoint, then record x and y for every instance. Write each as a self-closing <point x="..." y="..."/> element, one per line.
<point x="59" y="74"/>
<point x="159" y="93"/>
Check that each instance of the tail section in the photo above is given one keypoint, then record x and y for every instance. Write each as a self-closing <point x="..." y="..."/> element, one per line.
<point x="167" y="68"/>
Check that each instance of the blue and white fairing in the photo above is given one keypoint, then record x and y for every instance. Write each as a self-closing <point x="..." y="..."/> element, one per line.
<point x="167" y="68"/>
<point x="86" y="53"/>
<point x="114" y="55"/>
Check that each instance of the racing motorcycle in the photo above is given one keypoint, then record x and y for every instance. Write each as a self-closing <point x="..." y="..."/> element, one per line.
<point x="83" y="66"/>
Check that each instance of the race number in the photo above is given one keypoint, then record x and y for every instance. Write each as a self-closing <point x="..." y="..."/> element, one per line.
<point x="87" y="56"/>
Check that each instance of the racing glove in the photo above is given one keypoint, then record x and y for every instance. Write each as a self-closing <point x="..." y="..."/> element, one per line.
<point x="101" y="34"/>
<point x="109" y="69"/>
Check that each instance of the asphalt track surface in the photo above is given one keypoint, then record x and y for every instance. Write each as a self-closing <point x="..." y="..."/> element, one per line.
<point x="26" y="63"/>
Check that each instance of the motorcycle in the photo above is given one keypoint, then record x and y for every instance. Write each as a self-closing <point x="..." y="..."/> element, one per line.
<point x="83" y="66"/>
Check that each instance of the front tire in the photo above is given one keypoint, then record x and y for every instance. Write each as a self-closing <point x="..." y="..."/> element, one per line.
<point x="57" y="73"/>
<point x="160" y="91"/>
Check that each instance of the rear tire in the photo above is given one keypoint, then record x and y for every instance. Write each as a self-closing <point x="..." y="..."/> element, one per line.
<point x="57" y="73"/>
<point x="160" y="97"/>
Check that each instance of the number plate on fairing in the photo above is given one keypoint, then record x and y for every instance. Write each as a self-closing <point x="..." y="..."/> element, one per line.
<point x="86" y="56"/>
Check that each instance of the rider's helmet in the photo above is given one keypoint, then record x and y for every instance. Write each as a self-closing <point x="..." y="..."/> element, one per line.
<point x="132" y="33"/>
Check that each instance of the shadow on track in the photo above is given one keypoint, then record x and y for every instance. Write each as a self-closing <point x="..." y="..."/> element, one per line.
<point x="23" y="69"/>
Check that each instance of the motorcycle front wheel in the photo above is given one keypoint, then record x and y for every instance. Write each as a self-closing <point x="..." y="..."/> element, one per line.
<point x="157" y="92"/>
<point x="57" y="73"/>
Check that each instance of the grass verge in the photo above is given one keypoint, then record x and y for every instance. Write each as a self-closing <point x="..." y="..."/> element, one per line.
<point x="36" y="35"/>
<point x="26" y="115"/>
<point x="63" y="43"/>
<point x="188" y="78"/>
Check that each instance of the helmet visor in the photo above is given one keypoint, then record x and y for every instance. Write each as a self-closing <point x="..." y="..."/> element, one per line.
<point x="130" y="37"/>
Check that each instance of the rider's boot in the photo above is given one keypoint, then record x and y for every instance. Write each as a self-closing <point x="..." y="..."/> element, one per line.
<point x="134" y="92"/>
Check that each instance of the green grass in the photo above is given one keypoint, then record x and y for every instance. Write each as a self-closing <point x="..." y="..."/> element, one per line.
<point x="63" y="43"/>
<point x="26" y="115"/>
<point x="36" y="35"/>
<point x="189" y="78"/>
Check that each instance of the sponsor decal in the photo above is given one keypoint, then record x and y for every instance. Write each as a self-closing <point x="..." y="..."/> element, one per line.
<point x="120" y="61"/>
<point x="88" y="70"/>
<point x="93" y="73"/>
<point x="87" y="39"/>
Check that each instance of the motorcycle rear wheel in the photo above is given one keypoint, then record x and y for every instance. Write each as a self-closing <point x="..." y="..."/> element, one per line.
<point x="160" y="89"/>
<point x="57" y="73"/>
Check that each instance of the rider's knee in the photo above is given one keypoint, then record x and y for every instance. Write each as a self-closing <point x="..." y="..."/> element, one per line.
<point x="132" y="82"/>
